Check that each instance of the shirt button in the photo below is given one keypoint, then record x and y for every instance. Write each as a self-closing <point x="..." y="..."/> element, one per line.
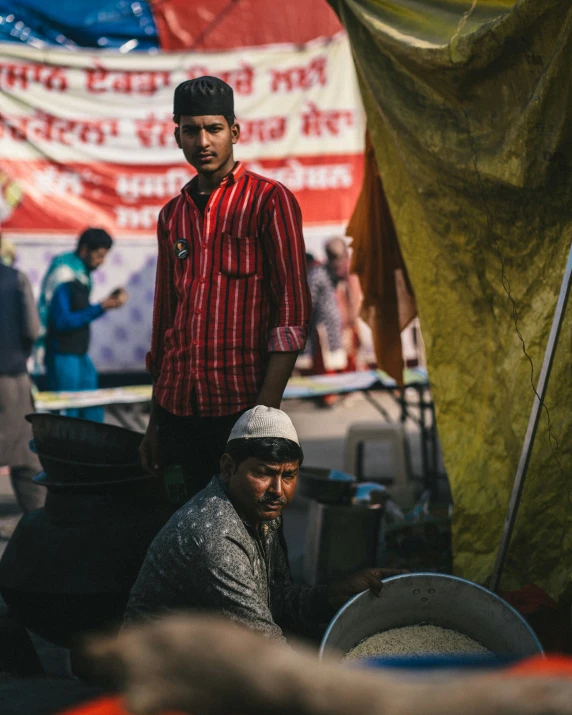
<point x="205" y="245"/>
<point x="195" y="343"/>
<point x="202" y="281"/>
<point x="198" y="311"/>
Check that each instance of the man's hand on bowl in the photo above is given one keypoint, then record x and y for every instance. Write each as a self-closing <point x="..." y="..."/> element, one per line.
<point x="341" y="591"/>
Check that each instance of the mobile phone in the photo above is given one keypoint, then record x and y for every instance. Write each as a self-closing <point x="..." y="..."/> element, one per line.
<point x="174" y="482"/>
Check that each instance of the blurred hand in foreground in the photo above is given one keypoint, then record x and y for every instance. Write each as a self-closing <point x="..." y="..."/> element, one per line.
<point x="206" y="666"/>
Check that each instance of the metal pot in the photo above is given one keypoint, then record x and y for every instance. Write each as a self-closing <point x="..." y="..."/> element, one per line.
<point x="83" y="473"/>
<point x="84" y="441"/>
<point x="68" y="568"/>
<point x="435" y="599"/>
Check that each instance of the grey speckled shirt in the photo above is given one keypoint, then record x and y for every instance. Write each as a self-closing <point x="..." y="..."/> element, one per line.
<point x="206" y="557"/>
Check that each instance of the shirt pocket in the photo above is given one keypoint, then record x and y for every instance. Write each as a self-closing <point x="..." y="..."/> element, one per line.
<point x="239" y="255"/>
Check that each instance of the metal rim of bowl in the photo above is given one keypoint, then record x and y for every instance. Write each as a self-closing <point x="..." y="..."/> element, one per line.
<point x="73" y="463"/>
<point x="102" y="427"/>
<point x="510" y="608"/>
<point x="43" y="480"/>
<point x="106" y="436"/>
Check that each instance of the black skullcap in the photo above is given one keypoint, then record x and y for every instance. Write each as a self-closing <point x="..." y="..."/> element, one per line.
<point x="203" y="96"/>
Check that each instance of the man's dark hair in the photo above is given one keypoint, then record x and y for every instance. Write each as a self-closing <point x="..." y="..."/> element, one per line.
<point x="231" y="119"/>
<point x="95" y="238"/>
<point x="275" y="450"/>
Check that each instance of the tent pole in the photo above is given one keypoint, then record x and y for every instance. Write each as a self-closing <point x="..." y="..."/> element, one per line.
<point x="532" y="425"/>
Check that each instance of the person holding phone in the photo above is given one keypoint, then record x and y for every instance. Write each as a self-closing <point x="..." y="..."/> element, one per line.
<point x="66" y="314"/>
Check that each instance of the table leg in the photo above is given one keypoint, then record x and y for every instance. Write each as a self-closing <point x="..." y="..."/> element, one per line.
<point x="424" y="436"/>
<point x="434" y="446"/>
<point x="403" y="405"/>
<point x="374" y="403"/>
<point x="359" y="461"/>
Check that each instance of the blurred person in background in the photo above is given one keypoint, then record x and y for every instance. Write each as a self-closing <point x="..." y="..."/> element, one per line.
<point x="333" y="340"/>
<point x="19" y="328"/>
<point x="325" y="348"/>
<point x="7" y="253"/>
<point x="66" y="314"/>
<point x="348" y="297"/>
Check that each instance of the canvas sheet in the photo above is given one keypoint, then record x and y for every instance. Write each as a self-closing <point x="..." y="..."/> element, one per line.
<point x="470" y="113"/>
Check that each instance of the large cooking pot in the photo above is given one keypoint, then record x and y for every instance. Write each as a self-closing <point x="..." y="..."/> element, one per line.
<point x="435" y="599"/>
<point x="80" y="440"/>
<point x="86" y="473"/>
<point x="69" y="567"/>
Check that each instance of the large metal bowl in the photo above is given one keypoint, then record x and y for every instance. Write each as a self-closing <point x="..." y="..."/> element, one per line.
<point x="66" y="470"/>
<point x="435" y="599"/>
<point x="84" y="441"/>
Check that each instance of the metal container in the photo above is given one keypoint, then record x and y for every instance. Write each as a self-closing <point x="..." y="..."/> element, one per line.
<point x="84" y="441"/>
<point x="368" y="493"/>
<point x="434" y="599"/>
<point x="86" y="473"/>
<point x="340" y="539"/>
<point x="326" y="486"/>
<point x="69" y="567"/>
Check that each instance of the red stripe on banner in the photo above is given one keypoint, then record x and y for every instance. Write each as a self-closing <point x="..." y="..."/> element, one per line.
<point x="224" y="24"/>
<point x="44" y="197"/>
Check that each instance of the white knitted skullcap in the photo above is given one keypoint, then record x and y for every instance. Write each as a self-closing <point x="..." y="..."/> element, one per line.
<point x="262" y="421"/>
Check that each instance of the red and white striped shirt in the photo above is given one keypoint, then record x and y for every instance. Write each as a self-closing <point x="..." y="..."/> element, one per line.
<point x="240" y="294"/>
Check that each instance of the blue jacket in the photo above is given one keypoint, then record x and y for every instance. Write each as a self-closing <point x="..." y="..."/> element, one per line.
<point x="70" y="315"/>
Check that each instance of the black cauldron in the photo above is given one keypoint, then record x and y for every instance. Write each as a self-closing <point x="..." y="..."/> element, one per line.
<point x="83" y="440"/>
<point x="69" y="567"/>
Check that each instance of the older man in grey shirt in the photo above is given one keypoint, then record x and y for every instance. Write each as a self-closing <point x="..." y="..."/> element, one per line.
<point x="222" y="551"/>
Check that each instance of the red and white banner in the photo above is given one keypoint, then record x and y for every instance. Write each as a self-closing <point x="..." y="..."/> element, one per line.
<point x="86" y="138"/>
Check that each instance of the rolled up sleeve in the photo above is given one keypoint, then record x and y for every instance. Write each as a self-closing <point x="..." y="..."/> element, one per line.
<point x="285" y="255"/>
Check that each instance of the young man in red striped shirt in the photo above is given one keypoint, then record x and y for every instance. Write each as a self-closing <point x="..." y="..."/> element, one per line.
<point x="232" y="303"/>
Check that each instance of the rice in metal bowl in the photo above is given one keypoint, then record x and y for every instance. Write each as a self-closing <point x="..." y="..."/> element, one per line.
<point x="417" y="641"/>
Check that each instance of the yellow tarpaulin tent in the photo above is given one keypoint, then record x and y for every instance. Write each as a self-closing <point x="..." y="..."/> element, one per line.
<point x="469" y="109"/>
